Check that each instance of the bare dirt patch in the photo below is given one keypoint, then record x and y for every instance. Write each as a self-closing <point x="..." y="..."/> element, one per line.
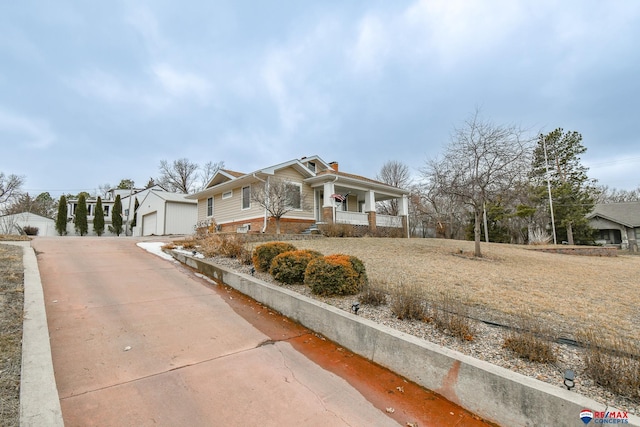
<point x="11" y="309"/>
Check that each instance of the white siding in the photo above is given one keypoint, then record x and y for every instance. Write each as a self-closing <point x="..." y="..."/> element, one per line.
<point x="180" y="218"/>
<point x="149" y="224"/>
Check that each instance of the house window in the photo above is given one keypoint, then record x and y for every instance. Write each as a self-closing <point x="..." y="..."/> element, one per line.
<point x="227" y="195"/>
<point x="106" y="211"/>
<point x="312" y="166"/>
<point x="246" y="197"/>
<point x="294" y="195"/>
<point x="210" y="206"/>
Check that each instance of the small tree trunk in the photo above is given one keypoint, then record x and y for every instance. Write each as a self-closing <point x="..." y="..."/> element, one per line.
<point x="477" y="233"/>
<point x="569" y="234"/>
<point x="277" y="225"/>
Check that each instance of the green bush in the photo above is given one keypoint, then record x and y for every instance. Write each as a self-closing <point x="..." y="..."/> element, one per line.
<point x="289" y="267"/>
<point x="265" y="253"/>
<point x="359" y="267"/>
<point x="333" y="275"/>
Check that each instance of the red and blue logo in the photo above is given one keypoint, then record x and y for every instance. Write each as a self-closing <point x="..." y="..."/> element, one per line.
<point x="604" y="417"/>
<point x="586" y="415"/>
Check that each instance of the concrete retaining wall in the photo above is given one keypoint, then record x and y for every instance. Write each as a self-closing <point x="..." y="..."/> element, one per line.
<point x="492" y="392"/>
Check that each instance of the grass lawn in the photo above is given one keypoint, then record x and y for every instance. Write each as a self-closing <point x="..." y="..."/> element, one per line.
<point x="11" y="308"/>
<point x="568" y="292"/>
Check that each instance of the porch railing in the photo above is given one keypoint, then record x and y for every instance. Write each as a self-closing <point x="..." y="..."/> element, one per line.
<point x="388" y="221"/>
<point x="353" y="218"/>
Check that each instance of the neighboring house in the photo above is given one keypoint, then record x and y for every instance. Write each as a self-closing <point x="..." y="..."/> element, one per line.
<point x="15" y="223"/>
<point x="72" y="206"/>
<point x="324" y="194"/>
<point x="617" y="224"/>
<point x="127" y="199"/>
<point x="163" y="213"/>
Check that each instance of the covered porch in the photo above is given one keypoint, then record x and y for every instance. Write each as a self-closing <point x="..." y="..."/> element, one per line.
<point x="347" y="199"/>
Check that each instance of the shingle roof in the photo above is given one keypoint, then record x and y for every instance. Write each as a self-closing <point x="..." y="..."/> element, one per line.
<point x="627" y="214"/>
<point x="233" y="173"/>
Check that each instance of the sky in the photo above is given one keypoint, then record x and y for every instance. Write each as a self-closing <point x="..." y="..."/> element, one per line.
<point x="95" y="92"/>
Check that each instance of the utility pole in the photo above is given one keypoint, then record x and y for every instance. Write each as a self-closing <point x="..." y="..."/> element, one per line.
<point x="546" y="165"/>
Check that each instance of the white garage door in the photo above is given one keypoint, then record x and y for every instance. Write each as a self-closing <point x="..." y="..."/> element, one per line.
<point x="149" y="223"/>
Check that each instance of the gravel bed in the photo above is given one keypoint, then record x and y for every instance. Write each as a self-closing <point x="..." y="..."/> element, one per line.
<point x="487" y="344"/>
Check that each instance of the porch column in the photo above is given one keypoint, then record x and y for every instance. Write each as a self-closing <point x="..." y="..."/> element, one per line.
<point x="328" y="204"/>
<point x="370" y="201"/>
<point x="404" y="213"/>
<point x="371" y="216"/>
<point x="370" y="209"/>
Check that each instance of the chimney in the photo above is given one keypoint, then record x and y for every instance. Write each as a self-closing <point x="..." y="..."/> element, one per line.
<point x="334" y="166"/>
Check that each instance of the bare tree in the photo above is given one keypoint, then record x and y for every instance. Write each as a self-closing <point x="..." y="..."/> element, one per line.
<point x="10" y="188"/>
<point x="179" y="176"/>
<point x="397" y="174"/>
<point x="185" y="176"/>
<point x="604" y="194"/>
<point x="481" y="162"/>
<point x="278" y="197"/>
<point x="103" y="190"/>
<point x="208" y="171"/>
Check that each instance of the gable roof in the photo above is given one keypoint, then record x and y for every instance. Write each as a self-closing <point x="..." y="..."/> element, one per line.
<point x="26" y="216"/>
<point x="169" y="197"/>
<point x="225" y="179"/>
<point x="627" y="214"/>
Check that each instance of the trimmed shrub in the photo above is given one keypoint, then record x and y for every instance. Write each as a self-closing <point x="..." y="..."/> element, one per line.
<point x="359" y="267"/>
<point x="265" y="253"/>
<point x="333" y="275"/>
<point x="289" y="267"/>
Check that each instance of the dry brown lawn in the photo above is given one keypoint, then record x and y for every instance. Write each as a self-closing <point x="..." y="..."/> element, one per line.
<point x="568" y="292"/>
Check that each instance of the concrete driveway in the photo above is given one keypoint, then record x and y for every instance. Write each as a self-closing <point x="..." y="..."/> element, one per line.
<point x="137" y="340"/>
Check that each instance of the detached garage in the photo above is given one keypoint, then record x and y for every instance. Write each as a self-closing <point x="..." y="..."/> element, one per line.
<point x="162" y="213"/>
<point x="15" y="224"/>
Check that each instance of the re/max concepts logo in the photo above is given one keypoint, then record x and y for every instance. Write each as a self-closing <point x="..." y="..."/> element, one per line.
<point x="604" y="417"/>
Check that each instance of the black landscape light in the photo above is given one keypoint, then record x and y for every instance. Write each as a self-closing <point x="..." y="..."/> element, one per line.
<point x="253" y="271"/>
<point x="569" y="379"/>
<point x="355" y="307"/>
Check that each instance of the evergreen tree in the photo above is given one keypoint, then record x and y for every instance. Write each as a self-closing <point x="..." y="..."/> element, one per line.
<point x="571" y="188"/>
<point x="134" y="222"/>
<point x="61" y="219"/>
<point x="116" y="217"/>
<point x="98" y="218"/>
<point x="80" y="219"/>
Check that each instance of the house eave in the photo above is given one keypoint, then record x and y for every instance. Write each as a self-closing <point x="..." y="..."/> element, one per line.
<point x="319" y="180"/>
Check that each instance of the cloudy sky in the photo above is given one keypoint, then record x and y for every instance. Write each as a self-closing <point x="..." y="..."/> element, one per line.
<point x="93" y="92"/>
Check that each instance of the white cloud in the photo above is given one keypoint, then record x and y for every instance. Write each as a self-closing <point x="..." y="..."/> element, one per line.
<point x="107" y="87"/>
<point x="372" y="44"/>
<point x="181" y="83"/>
<point x="146" y="25"/>
<point x="21" y="130"/>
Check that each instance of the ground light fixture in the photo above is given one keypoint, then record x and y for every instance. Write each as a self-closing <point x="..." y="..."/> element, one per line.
<point x="569" y="379"/>
<point x="355" y="307"/>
